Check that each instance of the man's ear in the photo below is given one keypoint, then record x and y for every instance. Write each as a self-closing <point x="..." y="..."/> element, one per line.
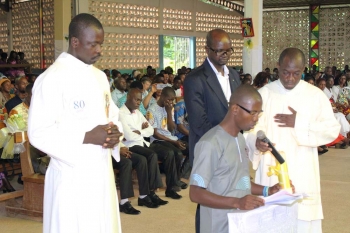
<point x="234" y="109"/>
<point x="74" y="42"/>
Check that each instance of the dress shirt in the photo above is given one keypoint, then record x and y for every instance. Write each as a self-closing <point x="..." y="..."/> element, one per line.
<point x="116" y="95"/>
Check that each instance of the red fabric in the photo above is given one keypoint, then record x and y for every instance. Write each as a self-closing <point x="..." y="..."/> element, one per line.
<point x="337" y="140"/>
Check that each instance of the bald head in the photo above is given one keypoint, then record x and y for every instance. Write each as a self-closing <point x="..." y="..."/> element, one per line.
<point x="292" y="54"/>
<point x="245" y="94"/>
<point x="216" y="35"/>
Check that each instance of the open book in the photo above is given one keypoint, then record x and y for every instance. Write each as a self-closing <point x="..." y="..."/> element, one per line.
<point x="283" y="197"/>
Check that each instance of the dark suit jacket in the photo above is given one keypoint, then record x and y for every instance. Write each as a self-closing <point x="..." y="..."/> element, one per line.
<point x="205" y="101"/>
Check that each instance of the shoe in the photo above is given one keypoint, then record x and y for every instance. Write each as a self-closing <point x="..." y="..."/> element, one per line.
<point x="183" y="185"/>
<point x="147" y="202"/>
<point x="322" y="152"/>
<point x="172" y="194"/>
<point x="19" y="179"/>
<point x="324" y="147"/>
<point x="344" y="145"/>
<point x="155" y="199"/>
<point x="128" y="209"/>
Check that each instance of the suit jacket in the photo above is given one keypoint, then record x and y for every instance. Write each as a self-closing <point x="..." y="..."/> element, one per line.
<point x="205" y="101"/>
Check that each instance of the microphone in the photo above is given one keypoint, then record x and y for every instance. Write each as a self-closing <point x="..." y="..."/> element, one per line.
<point x="261" y="135"/>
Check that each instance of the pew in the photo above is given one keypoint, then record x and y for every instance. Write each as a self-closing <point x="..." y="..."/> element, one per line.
<point x="29" y="66"/>
<point x="33" y="191"/>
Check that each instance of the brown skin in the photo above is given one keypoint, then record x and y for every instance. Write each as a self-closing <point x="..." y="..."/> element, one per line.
<point x="147" y="99"/>
<point x="21" y="87"/>
<point x="167" y="102"/>
<point x="235" y="120"/>
<point x="342" y="80"/>
<point x="124" y="151"/>
<point x="87" y="48"/>
<point x="133" y="102"/>
<point x="220" y="41"/>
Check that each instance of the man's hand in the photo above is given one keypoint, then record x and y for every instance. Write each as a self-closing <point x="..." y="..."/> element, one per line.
<point x="262" y="146"/>
<point x="286" y="120"/>
<point x="124" y="151"/>
<point x="274" y="189"/>
<point x="250" y="202"/>
<point x="168" y="106"/>
<point x="180" y="145"/>
<point x="144" y="125"/>
<point x="136" y="131"/>
<point x="153" y="88"/>
<point x="106" y="136"/>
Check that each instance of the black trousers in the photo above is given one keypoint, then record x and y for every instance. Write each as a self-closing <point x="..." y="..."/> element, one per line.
<point x="125" y="166"/>
<point x="166" y="156"/>
<point x="178" y="154"/>
<point x="154" y="178"/>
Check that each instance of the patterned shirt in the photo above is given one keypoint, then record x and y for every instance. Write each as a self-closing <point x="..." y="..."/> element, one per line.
<point x="157" y="118"/>
<point x="180" y="115"/>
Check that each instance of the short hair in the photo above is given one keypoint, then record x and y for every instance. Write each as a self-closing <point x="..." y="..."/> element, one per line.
<point x="136" y="84"/>
<point x="129" y="79"/>
<point x="245" y="81"/>
<point x="308" y="78"/>
<point x="145" y="79"/>
<point x="260" y="79"/>
<point x="246" y="76"/>
<point x="292" y="52"/>
<point x="177" y="78"/>
<point x="328" y="77"/>
<point x="158" y="78"/>
<point x="4" y="55"/>
<point x="81" y="22"/>
<point x="320" y="80"/>
<point x="167" y="91"/>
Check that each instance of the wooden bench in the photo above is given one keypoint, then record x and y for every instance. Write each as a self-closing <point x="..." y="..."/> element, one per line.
<point x="17" y="66"/>
<point x="33" y="193"/>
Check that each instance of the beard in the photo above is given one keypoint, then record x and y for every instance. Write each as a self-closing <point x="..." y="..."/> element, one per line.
<point x="22" y="91"/>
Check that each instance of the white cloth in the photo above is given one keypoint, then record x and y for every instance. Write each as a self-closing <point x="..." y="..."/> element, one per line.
<point x="116" y="95"/>
<point x="328" y="93"/>
<point x="315" y="125"/>
<point x="178" y="92"/>
<point x="309" y="226"/>
<point x="344" y="124"/>
<point x="80" y="193"/>
<point x="223" y="80"/>
<point x="132" y="121"/>
<point x="336" y="90"/>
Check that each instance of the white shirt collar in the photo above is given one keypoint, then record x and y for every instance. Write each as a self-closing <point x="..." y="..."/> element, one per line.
<point x="226" y="72"/>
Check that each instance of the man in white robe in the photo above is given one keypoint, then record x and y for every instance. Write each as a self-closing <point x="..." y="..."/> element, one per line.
<point x="72" y="118"/>
<point x="297" y="117"/>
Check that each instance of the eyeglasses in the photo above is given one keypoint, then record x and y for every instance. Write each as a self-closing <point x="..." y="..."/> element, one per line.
<point x="221" y="52"/>
<point x="253" y="113"/>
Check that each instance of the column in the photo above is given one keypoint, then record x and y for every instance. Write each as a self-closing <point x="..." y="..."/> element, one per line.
<point x="314" y="37"/>
<point x="63" y="17"/>
<point x="252" y="55"/>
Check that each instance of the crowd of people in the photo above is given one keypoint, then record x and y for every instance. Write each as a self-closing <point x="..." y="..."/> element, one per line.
<point x="186" y="124"/>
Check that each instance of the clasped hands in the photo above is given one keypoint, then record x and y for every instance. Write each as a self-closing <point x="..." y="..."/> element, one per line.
<point x="107" y="136"/>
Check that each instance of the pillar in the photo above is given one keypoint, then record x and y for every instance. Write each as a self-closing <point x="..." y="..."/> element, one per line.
<point x="252" y="57"/>
<point x="62" y="17"/>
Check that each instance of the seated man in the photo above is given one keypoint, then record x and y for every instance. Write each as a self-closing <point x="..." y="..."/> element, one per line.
<point x="119" y="91"/>
<point x="220" y="180"/>
<point x="135" y="128"/>
<point x="129" y="161"/>
<point x="122" y="100"/>
<point x="160" y="116"/>
<point x="177" y="86"/>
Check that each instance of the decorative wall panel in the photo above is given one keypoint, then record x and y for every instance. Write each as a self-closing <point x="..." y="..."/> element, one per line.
<point x="236" y="57"/>
<point x="48" y="35"/>
<point x="114" y="14"/>
<point x="25" y="23"/>
<point x="208" y="21"/>
<point x="124" y="51"/>
<point x="177" y="19"/>
<point x="334" y="37"/>
<point x="283" y="29"/>
<point x="3" y="31"/>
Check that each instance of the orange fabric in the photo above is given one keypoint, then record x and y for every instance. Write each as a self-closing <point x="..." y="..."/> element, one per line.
<point x="337" y="140"/>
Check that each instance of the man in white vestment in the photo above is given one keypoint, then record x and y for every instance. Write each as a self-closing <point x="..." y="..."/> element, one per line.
<point x="72" y="118"/>
<point x="297" y="117"/>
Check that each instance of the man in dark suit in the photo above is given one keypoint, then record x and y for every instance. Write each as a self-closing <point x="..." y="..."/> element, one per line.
<point x="206" y="98"/>
<point x="207" y="90"/>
